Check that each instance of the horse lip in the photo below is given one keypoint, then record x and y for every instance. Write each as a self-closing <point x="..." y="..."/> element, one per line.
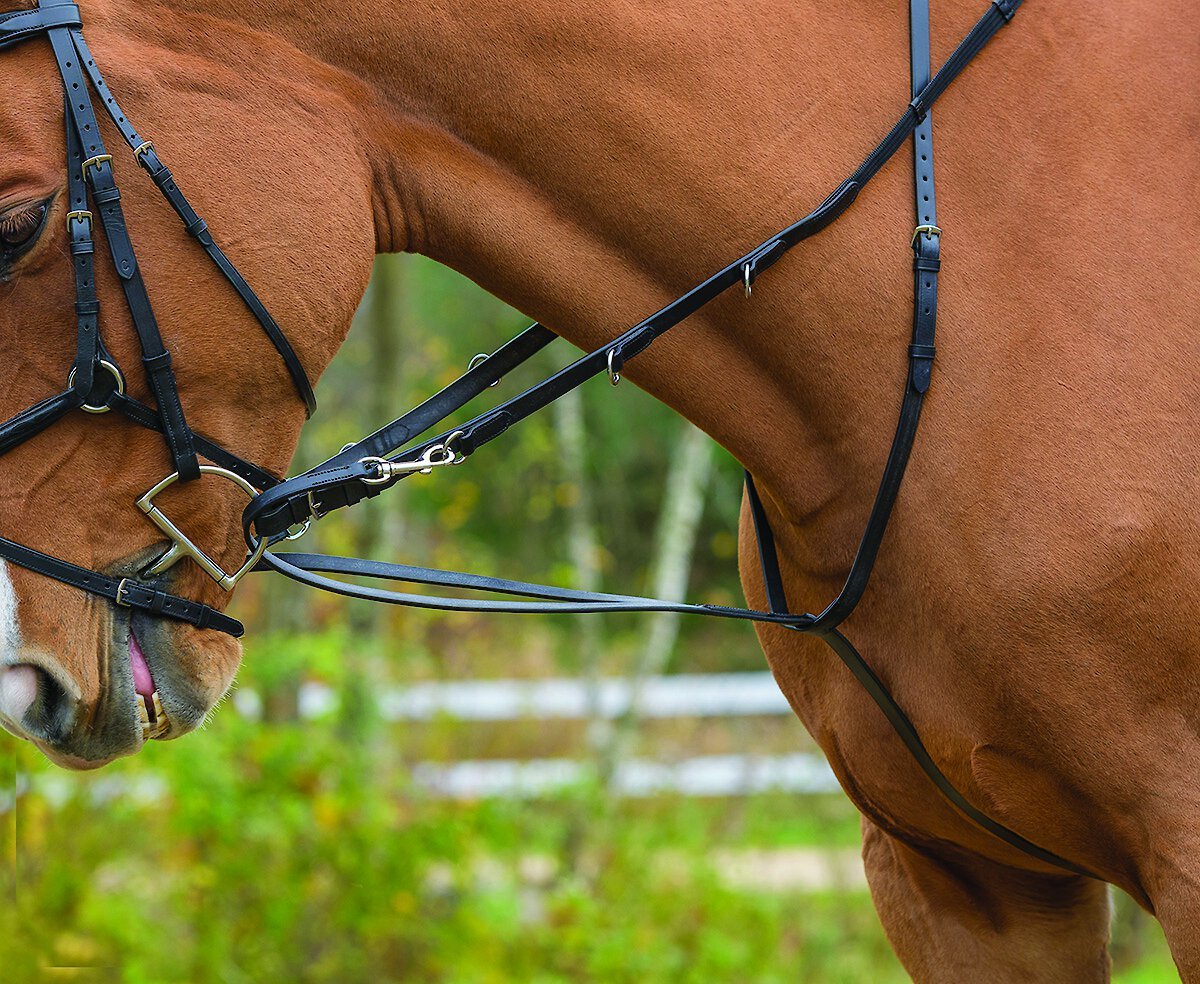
<point x="177" y="703"/>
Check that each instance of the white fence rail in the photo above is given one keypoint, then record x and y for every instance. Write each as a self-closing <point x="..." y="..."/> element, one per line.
<point x="683" y="696"/>
<point x="718" y="695"/>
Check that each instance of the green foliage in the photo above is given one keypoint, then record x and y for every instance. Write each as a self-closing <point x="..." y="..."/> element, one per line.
<point x="273" y="855"/>
<point x="282" y="851"/>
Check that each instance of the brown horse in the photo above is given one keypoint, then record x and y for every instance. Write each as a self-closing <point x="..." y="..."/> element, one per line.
<point x="1035" y="609"/>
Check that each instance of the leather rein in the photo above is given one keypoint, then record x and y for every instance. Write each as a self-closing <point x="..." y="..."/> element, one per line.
<point x="283" y="509"/>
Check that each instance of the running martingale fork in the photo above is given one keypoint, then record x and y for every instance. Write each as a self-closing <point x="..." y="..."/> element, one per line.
<point x="283" y="510"/>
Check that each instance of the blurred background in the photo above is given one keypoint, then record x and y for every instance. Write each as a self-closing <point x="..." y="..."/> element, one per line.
<point x="390" y="795"/>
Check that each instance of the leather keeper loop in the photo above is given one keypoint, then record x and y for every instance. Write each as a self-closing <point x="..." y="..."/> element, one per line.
<point x="488" y="430"/>
<point x="922" y="352"/>
<point x="107" y="195"/>
<point x="1007" y="8"/>
<point x="157" y="363"/>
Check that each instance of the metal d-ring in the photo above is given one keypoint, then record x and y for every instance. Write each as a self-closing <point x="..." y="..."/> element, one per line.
<point x="116" y="374"/>
<point x="614" y="375"/>
<point x="182" y="546"/>
<point x="479" y="360"/>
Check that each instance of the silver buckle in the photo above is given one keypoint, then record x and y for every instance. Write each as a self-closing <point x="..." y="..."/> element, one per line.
<point x="122" y="587"/>
<point x="182" y="546"/>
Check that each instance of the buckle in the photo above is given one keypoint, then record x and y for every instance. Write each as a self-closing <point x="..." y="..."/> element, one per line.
<point x="142" y="149"/>
<point x="96" y="162"/>
<point x="122" y="587"/>
<point x="81" y="215"/>
<point x="314" y="510"/>
<point x="928" y="230"/>
<point x="182" y="546"/>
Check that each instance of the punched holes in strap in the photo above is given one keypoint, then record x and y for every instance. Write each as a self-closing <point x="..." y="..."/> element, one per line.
<point x="926" y="240"/>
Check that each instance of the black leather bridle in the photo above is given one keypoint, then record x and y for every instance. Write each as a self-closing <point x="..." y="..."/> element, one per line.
<point x="280" y="510"/>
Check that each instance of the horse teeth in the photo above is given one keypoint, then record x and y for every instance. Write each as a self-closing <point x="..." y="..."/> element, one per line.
<point x="153" y="725"/>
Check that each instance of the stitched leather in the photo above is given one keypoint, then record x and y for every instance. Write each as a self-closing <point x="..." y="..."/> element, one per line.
<point x="21" y="25"/>
<point x="134" y="594"/>
<point x="165" y="181"/>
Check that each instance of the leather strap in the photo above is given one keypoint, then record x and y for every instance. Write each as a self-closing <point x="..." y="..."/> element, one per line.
<point x="31" y="422"/>
<point x="336" y="483"/>
<point x="290" y="503"/>
<point x="125" y="592"/>
<point x="21" y="25"/>
<point x="83" y="249"/>
<point x="196" y="227"/>
<point x="99" y="176"/>
<point x="916" y="747"/>
<point x="307" y="569"/>
<point x="144" y="416"/>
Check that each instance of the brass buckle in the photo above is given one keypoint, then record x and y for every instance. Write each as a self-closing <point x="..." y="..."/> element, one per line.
<point x="83" y="215"/>
<point x="928" y="230"/>
<point x="182" y="546"/>
<point x="96" y="162"/>
<point x="137" y="154"/>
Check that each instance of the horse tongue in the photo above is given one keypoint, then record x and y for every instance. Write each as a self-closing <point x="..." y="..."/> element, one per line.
<point x="143" y="682"/>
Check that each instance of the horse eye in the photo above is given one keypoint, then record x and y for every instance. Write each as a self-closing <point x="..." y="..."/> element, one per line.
<point x="20" y="226"/>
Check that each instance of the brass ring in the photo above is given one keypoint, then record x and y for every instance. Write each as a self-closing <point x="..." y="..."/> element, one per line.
<point x="116" y="374"/>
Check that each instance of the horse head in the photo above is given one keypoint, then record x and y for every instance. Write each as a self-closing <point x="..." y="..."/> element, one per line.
<point x="288" y="197"/>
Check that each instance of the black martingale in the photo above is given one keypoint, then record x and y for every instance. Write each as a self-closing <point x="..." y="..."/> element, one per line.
<point x="278" y="509"/>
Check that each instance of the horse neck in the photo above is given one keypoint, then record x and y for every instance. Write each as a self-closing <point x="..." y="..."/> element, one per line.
<point x="587" y="164"/>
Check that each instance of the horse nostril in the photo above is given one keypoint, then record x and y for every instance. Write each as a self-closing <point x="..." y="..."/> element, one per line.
<point x="18" y="691"/>
<point x="35" y="702"/>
